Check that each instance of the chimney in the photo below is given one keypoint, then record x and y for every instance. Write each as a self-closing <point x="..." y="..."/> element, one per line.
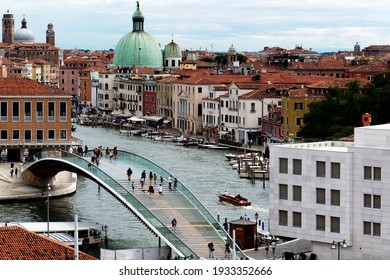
<point x="366" y="119"/>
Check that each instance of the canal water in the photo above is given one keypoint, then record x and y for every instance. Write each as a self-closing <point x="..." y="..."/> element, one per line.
<point x="204" y="172"/>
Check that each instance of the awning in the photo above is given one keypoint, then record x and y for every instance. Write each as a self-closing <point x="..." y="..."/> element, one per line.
<point x="223" y="132"/>
<point x="135" y="119"/>
<point x="153" y="118"/>
<point x="166" y="121"/>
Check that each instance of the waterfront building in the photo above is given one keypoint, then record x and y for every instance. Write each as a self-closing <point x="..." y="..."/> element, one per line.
<point x="33" y="116"/>
<point x="211" y="112"/>
<point x="334" y="191"/>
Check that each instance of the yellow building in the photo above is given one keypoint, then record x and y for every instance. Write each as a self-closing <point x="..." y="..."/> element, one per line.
<point x="295" y="104"/>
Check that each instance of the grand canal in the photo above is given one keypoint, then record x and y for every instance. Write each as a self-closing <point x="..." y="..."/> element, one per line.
<point x="204" y="172"/>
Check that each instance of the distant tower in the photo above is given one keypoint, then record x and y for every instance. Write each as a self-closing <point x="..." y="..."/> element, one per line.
<point x="8" y="25"/>
<point x="50" y="35"/>
<point x="356" y="48"/>
<point x="232" y="55"/>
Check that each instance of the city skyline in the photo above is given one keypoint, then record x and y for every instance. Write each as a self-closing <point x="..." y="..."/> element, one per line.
<point x="215" y="25"/>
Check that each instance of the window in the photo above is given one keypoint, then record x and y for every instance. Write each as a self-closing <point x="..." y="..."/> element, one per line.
<point x="199" y="90"/>
<point x="367" y="172"/>
<point x="253" y="108"/>
<point x="335" y="224"/>
<point x="63" y="111"/>
<point x="15" y="134"/>
<point x="377" y="201"/>
<point x="39" y="136"/>
<point x="320" y="196"/>
<point x="283" y="220"/>
<point x="371" y="228"/>
<point x="377" y="173"/>
<point x="51" y="134"/>
<point x="297" y="166"/>
<point x="3" y="111"/>
<point x="297" y="193"/>
<point x="4" y="135"/>
<point x="39" y="112"/>
<point x="376" y="229"/>
<point x="335" y="197"/>
<point x="27" y="111"/>
<point x="367" y="200"/>
<point x="372" y="173"/>
<point x="50" y="109"/>
<point x="283" y="191"/>
<point x="321" y="169"/>
<point x="335" y="170"/>
<point x="15" y="112"/>
<point x="366" y="228"/>
<point x="298" y="106"/>
<point x="320" y="222"/>
<point x="283" y="165"/>
<point x="27" y="136"/>
<point x="297" y="219"/>
<point x="372" y="201"/>
<point x="298" y="121"/>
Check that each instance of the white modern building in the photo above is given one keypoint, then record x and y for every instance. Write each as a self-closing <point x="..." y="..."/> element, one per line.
<point x="334" y="192"/>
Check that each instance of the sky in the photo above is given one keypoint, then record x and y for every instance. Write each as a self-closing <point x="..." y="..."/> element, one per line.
<point x="214" y="25"/>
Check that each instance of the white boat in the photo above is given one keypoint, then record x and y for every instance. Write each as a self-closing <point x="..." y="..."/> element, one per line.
<point x="212" y="146"/>
<point x="166" y="137"/>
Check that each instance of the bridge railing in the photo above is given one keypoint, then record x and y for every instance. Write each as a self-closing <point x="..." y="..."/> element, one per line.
<point x="138" y="206"/>
<point x="186" y="192"/>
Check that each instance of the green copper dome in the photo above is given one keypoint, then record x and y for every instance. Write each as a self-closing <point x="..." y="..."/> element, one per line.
<point x="138" y="48"/>
<point x="172" y="50"/>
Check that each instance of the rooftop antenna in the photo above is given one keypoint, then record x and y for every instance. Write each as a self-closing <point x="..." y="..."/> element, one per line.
<point x="212" y="46"/>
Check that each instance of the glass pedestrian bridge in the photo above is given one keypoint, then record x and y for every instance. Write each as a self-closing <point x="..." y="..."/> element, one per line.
<point x="196" y="226"/>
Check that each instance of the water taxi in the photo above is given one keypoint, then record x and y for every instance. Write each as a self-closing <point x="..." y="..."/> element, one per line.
<point x="237" y="200"/>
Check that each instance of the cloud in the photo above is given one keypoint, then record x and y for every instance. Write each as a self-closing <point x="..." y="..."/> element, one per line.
<point x="249" y="25"/>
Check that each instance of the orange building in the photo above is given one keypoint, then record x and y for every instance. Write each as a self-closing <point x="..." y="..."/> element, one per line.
<point x="33" y="116"/>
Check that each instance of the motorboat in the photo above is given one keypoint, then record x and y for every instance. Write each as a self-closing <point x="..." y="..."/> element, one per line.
<point x="237" y="200"/>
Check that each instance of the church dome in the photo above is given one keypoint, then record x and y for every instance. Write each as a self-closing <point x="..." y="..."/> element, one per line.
<point x="191" y="56"/>
<point x="172" y="50"/>
<point x="24" y="35"/>
<point x="138" y="48"/>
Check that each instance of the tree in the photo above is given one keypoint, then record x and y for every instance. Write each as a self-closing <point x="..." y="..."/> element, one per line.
<point x="341" y="110"/>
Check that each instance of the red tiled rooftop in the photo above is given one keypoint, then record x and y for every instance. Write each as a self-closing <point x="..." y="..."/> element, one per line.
<point x="20" y="86"/>
<point x="17" y="243"/>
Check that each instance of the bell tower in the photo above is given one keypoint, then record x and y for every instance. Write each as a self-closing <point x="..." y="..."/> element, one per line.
<point x="50" y="35"/>
<point x="8" y="29"/>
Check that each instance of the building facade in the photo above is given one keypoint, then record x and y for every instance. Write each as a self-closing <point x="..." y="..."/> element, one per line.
<point x="334" y="192"/>
<point x="34" y="117"/>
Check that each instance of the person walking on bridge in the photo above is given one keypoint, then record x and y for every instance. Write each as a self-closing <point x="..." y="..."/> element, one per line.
<point x="129" y="172"/>
<point x="174" y="223"/>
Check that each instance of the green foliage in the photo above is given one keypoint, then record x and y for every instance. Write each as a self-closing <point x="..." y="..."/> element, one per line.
<point x="342" y="110"/>
<point x="209" y="59"/>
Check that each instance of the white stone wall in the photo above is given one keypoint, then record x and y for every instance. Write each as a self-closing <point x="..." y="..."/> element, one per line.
<point x="370" y="149"/>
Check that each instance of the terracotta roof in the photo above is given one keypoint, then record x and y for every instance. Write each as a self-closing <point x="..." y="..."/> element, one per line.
<point x="21" y="86"/>
<point x="17" y="243"/>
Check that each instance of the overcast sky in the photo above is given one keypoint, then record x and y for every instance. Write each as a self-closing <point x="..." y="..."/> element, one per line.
<point x="249" y="25"/>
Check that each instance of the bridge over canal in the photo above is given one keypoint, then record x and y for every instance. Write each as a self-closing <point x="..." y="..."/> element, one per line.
<point x="196" y="227"/>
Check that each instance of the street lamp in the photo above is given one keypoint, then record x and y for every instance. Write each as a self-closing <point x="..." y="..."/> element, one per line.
<point x="339" y="244"/>
<point x="256" y="245"/>
<point x="48" y="206"/>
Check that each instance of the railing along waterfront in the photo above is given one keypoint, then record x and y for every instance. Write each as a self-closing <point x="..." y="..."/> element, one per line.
<point x="137" y="207"/>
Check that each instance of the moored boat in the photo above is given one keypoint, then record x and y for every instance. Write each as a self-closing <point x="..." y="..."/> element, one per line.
<point x="237" y="200"/>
